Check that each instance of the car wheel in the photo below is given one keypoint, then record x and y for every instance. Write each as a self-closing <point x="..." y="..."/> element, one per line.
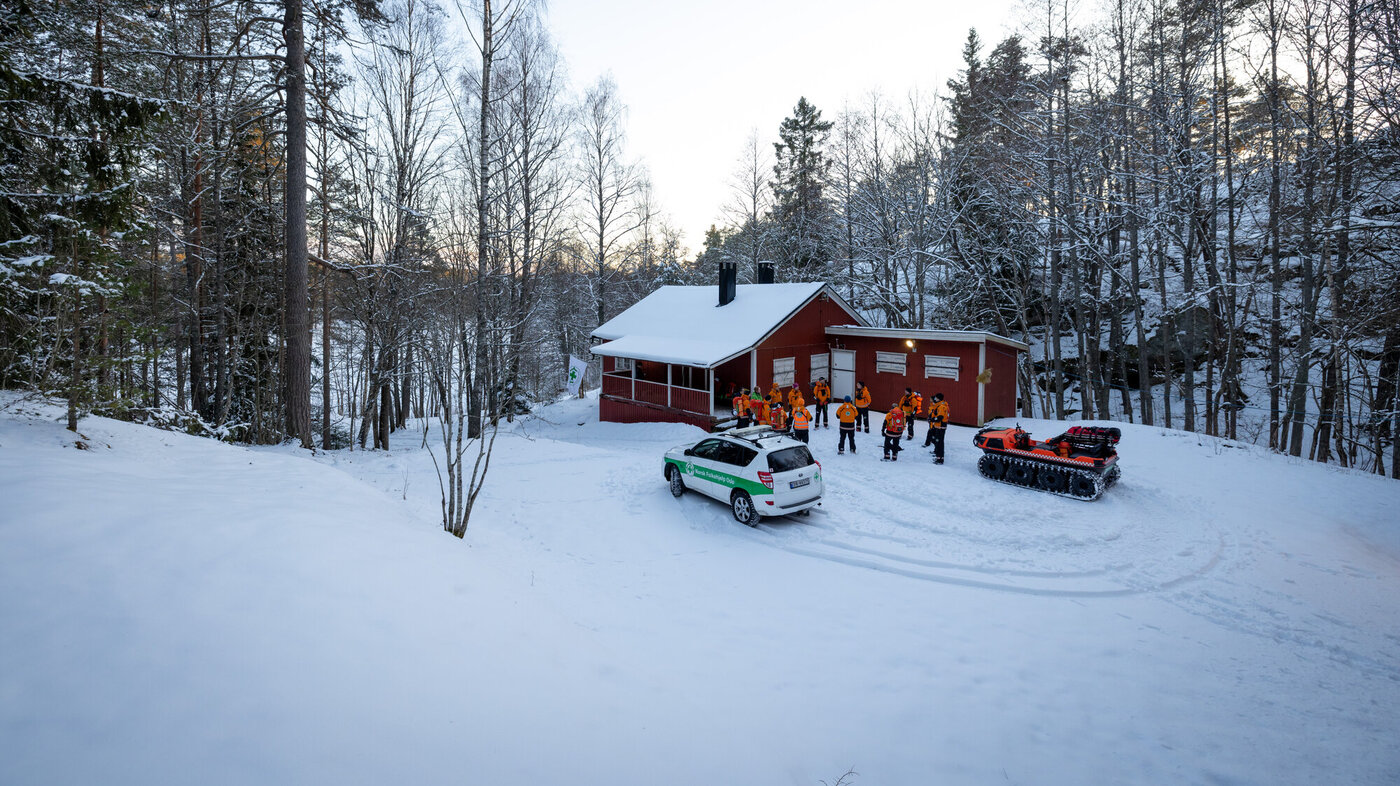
<point x="744" y="511"/>
<point x="677" y="482"/>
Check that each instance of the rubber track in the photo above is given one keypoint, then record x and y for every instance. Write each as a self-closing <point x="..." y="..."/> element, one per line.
<point x="1101" y="482"/>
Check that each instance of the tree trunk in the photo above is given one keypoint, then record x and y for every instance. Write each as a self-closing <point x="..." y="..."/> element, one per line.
<point x="297" y="395"/>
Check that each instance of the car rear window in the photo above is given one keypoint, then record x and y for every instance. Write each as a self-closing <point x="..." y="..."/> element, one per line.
<point x="788" y="459"/>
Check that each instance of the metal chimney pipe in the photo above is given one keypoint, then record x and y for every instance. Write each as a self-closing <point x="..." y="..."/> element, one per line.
<point x="728" y="282"/>
<point x="765" y="272"/>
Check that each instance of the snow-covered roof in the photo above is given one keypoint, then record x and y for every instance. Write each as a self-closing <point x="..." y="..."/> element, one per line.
<point x="686" y="325"/>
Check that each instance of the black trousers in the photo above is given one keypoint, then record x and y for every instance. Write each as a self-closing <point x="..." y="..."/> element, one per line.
<point x="847" y="434"/>
<point x="892" y="443"/>
<point x="800" y="434"/>
<point x="935" y="438"/>
<point x="909" y="418"/>
<point x="863" y="417"/>
<point x="821" y="415"/>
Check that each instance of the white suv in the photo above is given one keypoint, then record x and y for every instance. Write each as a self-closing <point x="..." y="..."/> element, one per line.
<point x="756" y="471"/>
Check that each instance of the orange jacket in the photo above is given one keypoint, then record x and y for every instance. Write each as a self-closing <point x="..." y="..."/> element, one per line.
<point x="938" y="414"/>
<point x="846" y="413"/>
<point x="795" y="398"/>
<point x="777" y="418"/>
<point x="907" y="404"/>
<point x="775" y="396"/>
<point x="918" y="403"/>
<point x="863" y="398"/>
<point x="759" y="410"/>
<point x="741" y="405"/>
<point x="894" y="422"/>
<point x="801" y="419"/>
<point x="823" y="393"/>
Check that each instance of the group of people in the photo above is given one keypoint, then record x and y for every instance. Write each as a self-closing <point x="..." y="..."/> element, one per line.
<point x="790" y="414"/>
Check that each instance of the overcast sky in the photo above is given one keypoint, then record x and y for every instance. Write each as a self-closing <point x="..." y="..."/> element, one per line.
<point x="698" y="76"/>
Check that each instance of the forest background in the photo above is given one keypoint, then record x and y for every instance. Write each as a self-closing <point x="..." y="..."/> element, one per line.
<point x="319" y="220"/>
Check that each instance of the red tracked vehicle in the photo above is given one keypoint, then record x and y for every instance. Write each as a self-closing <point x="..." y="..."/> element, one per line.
<point x="1079" y="463"/>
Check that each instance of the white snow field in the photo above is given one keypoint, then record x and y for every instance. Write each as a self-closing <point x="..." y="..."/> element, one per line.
<point x="175" y="610"/>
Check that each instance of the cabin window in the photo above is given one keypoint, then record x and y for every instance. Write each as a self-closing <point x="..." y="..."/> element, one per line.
<point x="941" y="367"/>
<point x="891" y="363"/>
<point x="622" y="365"/>
<point x="820" y="363"/>
<point x="784" y="372"/>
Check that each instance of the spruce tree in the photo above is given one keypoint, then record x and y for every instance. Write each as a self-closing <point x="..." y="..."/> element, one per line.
<point x="70" y="196"/>
<point x="801" y="210"/>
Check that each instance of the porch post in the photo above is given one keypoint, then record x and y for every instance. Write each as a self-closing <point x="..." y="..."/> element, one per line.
<point x="710" y="405"/>
<point x="633" y="375"/>
<point x="753" y="369"/>
<point x="668" y="384"/>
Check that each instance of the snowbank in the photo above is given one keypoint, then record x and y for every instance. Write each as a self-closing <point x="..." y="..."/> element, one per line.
<point x="176" y="609"/>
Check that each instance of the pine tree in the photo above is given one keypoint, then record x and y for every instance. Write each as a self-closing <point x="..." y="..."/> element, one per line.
<point x="801" y="209"/>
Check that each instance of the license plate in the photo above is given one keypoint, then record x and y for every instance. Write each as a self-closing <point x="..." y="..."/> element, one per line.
<point x="797" y="484"/>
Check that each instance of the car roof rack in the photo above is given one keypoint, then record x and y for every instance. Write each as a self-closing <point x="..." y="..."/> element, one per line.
<point x="752" y="434"/>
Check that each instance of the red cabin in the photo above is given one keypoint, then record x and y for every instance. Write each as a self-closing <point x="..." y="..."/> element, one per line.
<point x="681" y="354"/>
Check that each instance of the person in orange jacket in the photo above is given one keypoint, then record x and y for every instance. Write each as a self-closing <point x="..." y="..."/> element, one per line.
<point x="758" y="409"/>
<point x="822" y="392"/>
<point x="777" y="418"/>
<point x="893" y="429"/>
<point x="847" y="414"/>
<point x="910" y="408"/>
<point x="741" y="407"/>
<point x="775" y="396"/>
<point x="801" y="422"/>
<point x="795" y="399"/>
<point x="937" y="426"/>
<point x="863" y="406"/>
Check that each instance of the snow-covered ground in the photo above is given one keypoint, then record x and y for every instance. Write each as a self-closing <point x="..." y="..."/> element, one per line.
<point x="178" y="610"/>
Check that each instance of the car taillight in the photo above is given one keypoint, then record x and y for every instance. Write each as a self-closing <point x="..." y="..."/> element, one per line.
<point x="819" y="466"/>
<point x="766" y="478"/>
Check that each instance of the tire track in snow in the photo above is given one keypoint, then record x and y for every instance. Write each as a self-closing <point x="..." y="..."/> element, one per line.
<point x="1057" y="548"/>
<point x="1114" y="581"/>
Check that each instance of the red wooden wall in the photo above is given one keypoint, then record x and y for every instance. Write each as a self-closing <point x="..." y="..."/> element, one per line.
<point x="1001" y="391"/>
<point x="886" y="388"/>
<point x="611" y="410"/>
<point x="801" y="337"/>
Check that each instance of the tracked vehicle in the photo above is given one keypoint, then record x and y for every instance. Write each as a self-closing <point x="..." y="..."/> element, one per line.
<point x="1079" y="463"/>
